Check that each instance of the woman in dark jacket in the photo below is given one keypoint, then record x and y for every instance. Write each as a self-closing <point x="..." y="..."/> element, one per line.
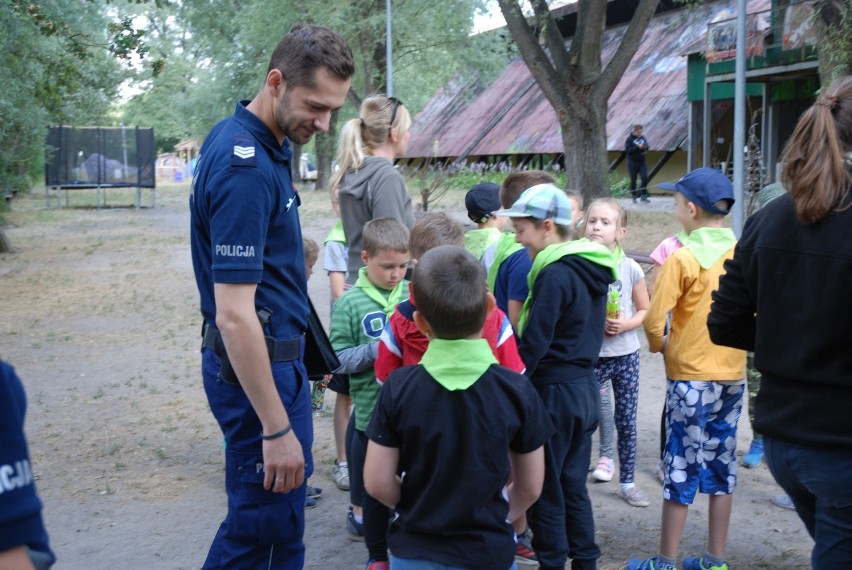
<point x="787" y="295"/>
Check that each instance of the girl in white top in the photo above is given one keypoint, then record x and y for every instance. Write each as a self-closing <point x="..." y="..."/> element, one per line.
<point x="618" y="364"/>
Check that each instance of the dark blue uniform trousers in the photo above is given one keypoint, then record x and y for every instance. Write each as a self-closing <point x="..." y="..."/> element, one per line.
<point x="262" y="529"/>
<point x="561" y="520"/>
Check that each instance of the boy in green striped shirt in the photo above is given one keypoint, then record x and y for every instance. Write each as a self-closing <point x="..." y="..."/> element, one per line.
<point x="357" y="321"/>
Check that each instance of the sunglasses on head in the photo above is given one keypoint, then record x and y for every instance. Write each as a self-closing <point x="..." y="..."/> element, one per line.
<point x="396" y="103"/>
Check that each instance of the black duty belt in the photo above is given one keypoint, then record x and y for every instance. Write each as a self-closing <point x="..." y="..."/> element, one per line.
<point x="278" y="350"/>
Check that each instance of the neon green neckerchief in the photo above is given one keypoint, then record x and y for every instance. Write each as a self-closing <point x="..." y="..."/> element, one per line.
<point x="457" y="364"/>
<point x="682" y="236"/>
<point x="388" y="302"/>
<point x="336" y="234"/>
<point x="618" y="254"/>
<point x="593" y="251"/>
<point x="506" y="246"/>
<point x="477" y="242"/>
<point x="708" y="245"/>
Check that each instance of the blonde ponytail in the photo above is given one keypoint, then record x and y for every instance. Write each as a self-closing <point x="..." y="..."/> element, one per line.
<point x="370" y="130"/>
<point x="350" y="152"/>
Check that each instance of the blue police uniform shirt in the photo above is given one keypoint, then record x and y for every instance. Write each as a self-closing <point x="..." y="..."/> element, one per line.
<point x="245" y="221"/>
<point x="20" y="508"/>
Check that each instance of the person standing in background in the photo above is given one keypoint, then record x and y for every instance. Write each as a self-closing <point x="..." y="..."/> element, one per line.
<point x="636" y="146"/>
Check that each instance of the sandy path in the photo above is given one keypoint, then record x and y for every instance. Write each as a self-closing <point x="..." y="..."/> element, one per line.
<point x="99" y="315"/>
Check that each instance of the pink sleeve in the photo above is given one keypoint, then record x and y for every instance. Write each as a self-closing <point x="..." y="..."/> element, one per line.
<point x="667" y="247"/>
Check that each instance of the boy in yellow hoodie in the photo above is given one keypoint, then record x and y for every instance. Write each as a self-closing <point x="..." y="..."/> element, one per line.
<point x="705" y="381"/>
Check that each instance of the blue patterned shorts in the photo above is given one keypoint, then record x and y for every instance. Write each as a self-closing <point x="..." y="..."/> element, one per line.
<point x="701" y="438"/>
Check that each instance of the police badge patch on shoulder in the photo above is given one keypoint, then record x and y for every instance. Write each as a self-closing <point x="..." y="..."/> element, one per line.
<point x="244" y="151"/>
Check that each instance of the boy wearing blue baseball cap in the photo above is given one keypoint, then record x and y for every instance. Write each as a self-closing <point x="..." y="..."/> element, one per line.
<point x="561" y="328"/>
<point x="481" y="201"/>
<point x="705" y="381"/>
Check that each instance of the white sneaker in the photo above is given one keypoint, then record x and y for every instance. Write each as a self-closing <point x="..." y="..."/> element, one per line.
<point x="605" y="470"/>
<point x="783" y="501"/>
<point x="634" y="497"/>
<point x="340" y="474"/>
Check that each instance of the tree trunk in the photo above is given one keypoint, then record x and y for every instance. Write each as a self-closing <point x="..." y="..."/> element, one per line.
<point x="297" y="164"/>
<point x="326" y="147"/>
<point x="584" y="139"/>
<point x="5" y="246"/>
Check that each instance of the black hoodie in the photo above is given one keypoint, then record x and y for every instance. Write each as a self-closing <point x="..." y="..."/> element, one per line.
<point x="631" y="146"/>
<point x="786" y="295"/>
<point x="563" y="336"/>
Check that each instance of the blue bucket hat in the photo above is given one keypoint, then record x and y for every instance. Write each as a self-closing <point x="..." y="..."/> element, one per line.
<point x="706" y="188"/>
<point x="542" y="202"/>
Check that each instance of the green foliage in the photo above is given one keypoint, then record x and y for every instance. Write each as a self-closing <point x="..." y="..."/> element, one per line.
<point x="433" y="180"/>
<point x="57" y="70"/>
<point x="216" y="51"/>
<point x="619" y="187"/>
<point x="835" y="43"/>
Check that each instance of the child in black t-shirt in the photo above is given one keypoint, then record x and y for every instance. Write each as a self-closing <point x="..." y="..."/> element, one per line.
<point x="455" y="426"/>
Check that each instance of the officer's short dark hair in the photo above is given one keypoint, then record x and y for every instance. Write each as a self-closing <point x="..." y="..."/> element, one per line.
<point x="305" y="49"/>
<point x="384" y="234"/>
<point x="450" y="292"/>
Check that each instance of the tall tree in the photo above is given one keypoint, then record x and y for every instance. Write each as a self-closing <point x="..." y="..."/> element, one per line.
<point x="57" y="69"/>
<point x="430" y="43"/>
<point x="196" y="68"/>
<point x="574" y="79"/>
<point x="215" y="51"/>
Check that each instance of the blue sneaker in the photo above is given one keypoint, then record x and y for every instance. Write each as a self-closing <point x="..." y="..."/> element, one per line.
<point x="754" y="455"/>
<point x="697" y="563"/>
<point x="650" y="564"/>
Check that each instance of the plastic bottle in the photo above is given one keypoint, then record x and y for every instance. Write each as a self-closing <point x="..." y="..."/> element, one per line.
<point x="318" y="396"/>
<point x="613" y="309"/>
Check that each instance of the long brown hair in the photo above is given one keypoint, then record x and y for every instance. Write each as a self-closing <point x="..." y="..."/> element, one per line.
<point x="816" y="168"/>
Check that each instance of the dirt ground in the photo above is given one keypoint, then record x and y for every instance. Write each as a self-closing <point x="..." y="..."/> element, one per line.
<point x="99" y="314"/>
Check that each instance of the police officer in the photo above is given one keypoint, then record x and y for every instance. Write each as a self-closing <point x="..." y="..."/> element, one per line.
<point x="23" y="539"/>
<point x="250" y="271"/>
